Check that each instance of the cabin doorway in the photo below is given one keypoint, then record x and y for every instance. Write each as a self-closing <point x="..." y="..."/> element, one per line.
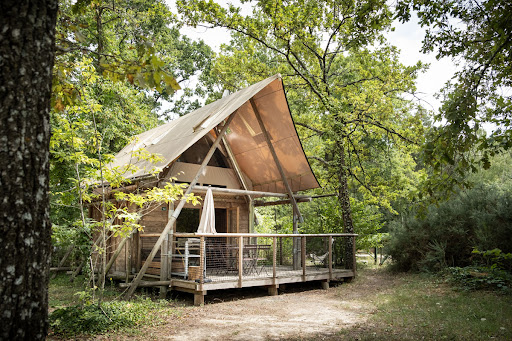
<point x="221" y="221"/>
<point x="188" y="220"/>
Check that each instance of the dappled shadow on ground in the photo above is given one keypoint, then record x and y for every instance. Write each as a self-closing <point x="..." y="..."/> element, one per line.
<point x="300" y="310"/>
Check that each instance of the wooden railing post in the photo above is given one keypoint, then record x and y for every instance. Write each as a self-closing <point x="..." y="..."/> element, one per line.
<point x="240" y="260"/>
<point x="330" y="257"/>
<point x="303" y="257"/>
<point x="201" y="262"/>
<point x="128" y="258"/>
<point x="164" y="253"/>
<point x="274" y="260"/>
<point x="171" y="252"/>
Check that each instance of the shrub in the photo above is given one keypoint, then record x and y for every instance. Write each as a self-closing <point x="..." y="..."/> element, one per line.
<point x="479" y="217"/>
<point x="481" y="278"/>
<point x="93" y="319"/>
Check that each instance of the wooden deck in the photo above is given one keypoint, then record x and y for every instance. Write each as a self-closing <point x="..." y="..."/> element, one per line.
<point x="198" y="263"/>
<point x="284" y="275"/>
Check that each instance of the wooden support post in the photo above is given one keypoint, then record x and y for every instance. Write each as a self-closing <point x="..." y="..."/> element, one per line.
<point x="280" y="251"/>
<point x="240" y="260"/>
<point x="274" y="260"/>
<point x="126" y="262"/>
<point x="325" y="285"/>
<point x="276" y="159"/>
<point x="236" y="167"/>
<point x="171" y="252"/>
<point x="63" y="260"/>
<point x="330" y="257"/>
<point x="170" y="249"/>
<point x="303" y="257"/>
<point x="273" y="290"/>
<point x="178" y="209"/>
<point x="198" y="298"/>
<point x="164" y="261"/>
<point x="259" y="203"/>
<point x="218" y="190"/>
<point x="251" y="217"/>
<point x="138" y="250"/>
<point x="237" y="219"/>
<point x="295" y="243"/>
<point x="241" y="178"/>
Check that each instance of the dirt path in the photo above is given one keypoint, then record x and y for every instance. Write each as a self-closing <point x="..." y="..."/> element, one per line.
<point x="300" y="312"/>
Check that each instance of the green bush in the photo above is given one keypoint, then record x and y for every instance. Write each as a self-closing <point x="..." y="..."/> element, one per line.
<point x="479" y="217"/>
<point x="481" y="278"/>
<point x="494" y="259"/>
<point x="93" y="319"/>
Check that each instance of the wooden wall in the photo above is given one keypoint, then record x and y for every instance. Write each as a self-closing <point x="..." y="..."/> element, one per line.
<point x="154" y="223"/>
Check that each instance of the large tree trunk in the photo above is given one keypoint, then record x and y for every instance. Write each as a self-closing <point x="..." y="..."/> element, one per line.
<point x="27" y="39"/>
<point x="346" y="209"/>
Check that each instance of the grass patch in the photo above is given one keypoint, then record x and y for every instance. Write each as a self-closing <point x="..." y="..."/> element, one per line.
<point x="422" y="307"/>
<point x="425" y="308"/>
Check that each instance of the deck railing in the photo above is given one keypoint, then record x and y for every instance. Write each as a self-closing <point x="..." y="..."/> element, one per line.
<point x="237" y="257"/>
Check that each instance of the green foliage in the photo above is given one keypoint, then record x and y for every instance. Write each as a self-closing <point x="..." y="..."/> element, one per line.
<point x="492" y="271"/>
<point x="481" y="278"/>
<point x="76" y="235"/>
<point x="90" y="319"/>
<point x="358" y="131"/>
<point x="447" y="233"/>
<point x="476" y="34"/>
<point x="325" y="216"/>
<point x="115" y="62"/>
<point x="494" y="259"/>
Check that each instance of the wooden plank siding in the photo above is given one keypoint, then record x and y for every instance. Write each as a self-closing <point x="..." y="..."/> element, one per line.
<point x="153" y="224"/>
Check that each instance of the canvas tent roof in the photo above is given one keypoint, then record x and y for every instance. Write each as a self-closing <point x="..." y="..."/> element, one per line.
<point x="244" y="136"/>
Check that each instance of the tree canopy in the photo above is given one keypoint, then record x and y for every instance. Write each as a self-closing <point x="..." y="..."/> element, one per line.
<point x="344" y="82"/>
<point x="477" y="34"/>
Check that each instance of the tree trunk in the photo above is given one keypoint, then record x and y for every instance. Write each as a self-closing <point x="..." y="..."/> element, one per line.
<point x="27" y="43"/>
<point x="346" y="209"/>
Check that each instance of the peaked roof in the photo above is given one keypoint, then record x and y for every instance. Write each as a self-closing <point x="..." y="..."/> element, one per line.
<point x="244" y="136"/>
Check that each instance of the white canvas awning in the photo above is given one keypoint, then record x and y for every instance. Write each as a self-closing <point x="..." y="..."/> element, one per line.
<point x="244" y="136"/>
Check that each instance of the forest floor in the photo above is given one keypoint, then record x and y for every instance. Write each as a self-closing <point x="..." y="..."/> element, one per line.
<point x="376" y="305"/>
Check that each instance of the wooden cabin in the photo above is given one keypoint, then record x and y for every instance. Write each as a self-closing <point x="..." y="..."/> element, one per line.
<point x="243" y="146"/>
